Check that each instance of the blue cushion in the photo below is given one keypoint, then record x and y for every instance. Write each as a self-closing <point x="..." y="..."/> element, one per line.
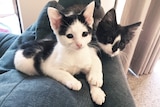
<point x="20" y="90"/>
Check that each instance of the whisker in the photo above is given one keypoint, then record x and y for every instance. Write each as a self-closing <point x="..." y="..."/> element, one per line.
<point x="123" y="56"/>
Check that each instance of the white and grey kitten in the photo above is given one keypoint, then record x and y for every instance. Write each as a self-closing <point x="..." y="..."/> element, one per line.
<point x="69" y="56"/>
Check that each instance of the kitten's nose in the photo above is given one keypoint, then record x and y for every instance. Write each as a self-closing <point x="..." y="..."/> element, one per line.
<point x="79" y="45"/>
<point x="115" y="47"/>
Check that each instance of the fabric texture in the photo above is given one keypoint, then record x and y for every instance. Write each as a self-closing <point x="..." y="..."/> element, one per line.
<point x="17" y="89"/>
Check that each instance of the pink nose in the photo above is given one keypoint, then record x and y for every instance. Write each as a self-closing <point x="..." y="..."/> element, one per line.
<point x="79" y="45"/>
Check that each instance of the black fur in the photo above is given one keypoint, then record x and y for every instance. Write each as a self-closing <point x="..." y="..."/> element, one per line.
<point x="68" y="20"/>
<point x="39" y="50"/>
<point x="78" y="10"/>
<point x="108" y="30"/>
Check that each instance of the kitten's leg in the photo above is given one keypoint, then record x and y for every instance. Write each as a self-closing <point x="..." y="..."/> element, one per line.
<point x="65" y="78"/>
<point x="95" y="79"/>
<point x="95" y="75"/>
<point x="97" y="94"/>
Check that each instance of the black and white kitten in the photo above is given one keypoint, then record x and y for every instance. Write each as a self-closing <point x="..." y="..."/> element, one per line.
<point x="69" y="56"/>
<point x="112" y="37"/>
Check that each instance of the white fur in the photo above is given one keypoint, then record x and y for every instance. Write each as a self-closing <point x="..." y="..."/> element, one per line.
<point x="24" y="64"/>
<point x="76" y="29"/>
<point x="70" y="56"/>
<point x="64" y="63"/>
<point x="73" y="59"/>
<point x="108" y="48"/>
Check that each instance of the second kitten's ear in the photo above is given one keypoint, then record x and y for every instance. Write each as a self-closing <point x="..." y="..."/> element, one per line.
<point x="110" y="16"/>
<point x="54" y="18"/>
<point x="133" y="27"/>
<point x="88" y="13"/>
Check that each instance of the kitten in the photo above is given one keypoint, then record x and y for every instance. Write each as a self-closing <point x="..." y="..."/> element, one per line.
<point x="112" y="37"/>
<point x="69" y="56"/>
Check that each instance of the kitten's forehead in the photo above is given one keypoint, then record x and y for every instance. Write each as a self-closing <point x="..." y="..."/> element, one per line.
<point x="69" y="21"/>
<point x="69" y="13"/>
<point x="76" y="28"/>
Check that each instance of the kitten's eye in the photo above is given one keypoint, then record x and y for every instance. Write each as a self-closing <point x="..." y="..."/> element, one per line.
<point x="84" y="34"/>
<point x="69" y="36"/>
<point x="121" y="44"/>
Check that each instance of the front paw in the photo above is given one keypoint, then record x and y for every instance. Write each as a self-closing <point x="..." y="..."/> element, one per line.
<point x="98" y="95"/>
<point x="94" y="79"/>
<point x="74" y="85"/>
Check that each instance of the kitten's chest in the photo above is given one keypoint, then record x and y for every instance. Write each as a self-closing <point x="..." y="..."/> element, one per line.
<point x="80" y="61"/>
<point x="75" y="62"/>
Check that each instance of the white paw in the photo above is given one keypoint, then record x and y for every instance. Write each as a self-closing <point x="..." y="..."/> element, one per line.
<point x="98" y="95"/>
<point x="74" y="85"/>
<point x="94" y="79"/>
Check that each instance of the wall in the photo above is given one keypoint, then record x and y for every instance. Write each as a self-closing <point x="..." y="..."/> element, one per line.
<point x="134" y="11"/>
<point x="108" y="4"/>
<point x="29" y="11"/>
<point x="147" y="50"/>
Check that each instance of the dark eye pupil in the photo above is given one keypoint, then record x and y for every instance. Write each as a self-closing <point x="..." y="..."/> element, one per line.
<point x="84" y="34"/>
<point x="122" y="44"/>
<point x="69" y="36"/>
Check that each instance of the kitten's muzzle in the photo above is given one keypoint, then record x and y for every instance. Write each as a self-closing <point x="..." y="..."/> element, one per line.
<point x="115" y="47"/>
<point x="79" y="45"/>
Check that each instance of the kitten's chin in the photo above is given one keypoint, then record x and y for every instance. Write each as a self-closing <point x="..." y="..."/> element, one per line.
<point x="115" y="53"/>
<point x="112" y="54"/>
<point x="75" y="48"/>
<point x="108" y="49"/>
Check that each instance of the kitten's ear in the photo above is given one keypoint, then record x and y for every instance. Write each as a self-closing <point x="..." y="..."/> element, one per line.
<point x="133" y="27"/>
<point x="110" y="16"/>
<point x="88" y="13"/>
<point x="54" y="17"/>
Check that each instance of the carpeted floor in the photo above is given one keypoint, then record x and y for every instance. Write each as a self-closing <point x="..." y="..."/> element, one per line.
<point x="146" y="88"/>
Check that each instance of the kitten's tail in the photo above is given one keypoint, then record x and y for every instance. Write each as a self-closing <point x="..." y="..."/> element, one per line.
<point x="97" y="3"/>
<point x="98" y="13"/>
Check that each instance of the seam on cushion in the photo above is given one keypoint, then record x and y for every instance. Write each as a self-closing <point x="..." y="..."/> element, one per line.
<point x="5" y="48"/>
<point x="11" y="91"/>
<point x="6" y="38"/>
